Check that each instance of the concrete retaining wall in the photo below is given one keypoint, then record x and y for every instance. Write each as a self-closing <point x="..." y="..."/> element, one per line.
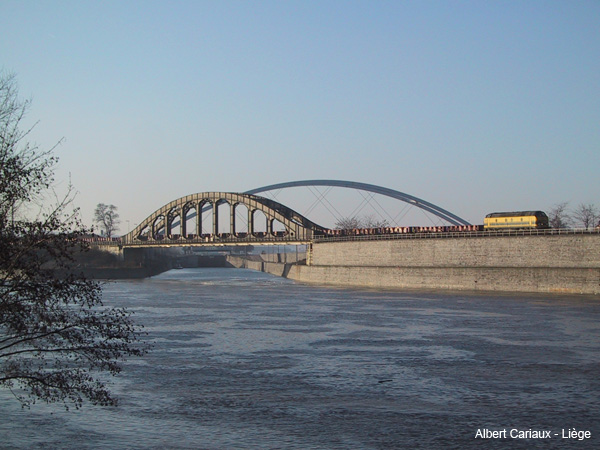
<point x="274" y="268"/>
<point x="557" y="264"/>
<point x="577" y="250"/>
<point x="532" y="279"/>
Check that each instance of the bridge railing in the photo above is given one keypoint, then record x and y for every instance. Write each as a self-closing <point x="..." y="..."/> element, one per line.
<point x="214" y="240"/>
<point x="268" y="239"/>
<point x="457" y="234"/>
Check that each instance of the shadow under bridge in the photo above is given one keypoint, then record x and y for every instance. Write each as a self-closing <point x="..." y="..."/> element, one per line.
<point x="184" y="222"/>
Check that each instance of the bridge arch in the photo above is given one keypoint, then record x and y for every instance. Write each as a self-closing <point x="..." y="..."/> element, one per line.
<point x="420" y="203"/>
<point x="158" y="226"/>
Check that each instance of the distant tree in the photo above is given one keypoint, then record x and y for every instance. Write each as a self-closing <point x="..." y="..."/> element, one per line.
<point x="57" y="340"/>
<point x="586" y="215"/>
<point x="559" y="216"/>
<point x="348" y="223"/>
<point x="371" y="221"/>
<point x="107" y="217"/>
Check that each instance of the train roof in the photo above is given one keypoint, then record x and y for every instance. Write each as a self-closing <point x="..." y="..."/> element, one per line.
<point x="517" y="214"/>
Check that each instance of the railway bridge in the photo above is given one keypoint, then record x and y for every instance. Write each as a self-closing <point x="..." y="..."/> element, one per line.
<point x="237" y="218"/>
<point x="170" y="225"/>
<point x="559" y="261"/>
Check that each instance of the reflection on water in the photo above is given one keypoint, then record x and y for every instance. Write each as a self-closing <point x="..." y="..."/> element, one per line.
<point x="243" y="360"/>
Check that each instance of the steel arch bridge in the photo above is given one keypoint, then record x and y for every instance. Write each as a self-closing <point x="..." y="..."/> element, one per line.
<point x="157" y="229"/>
<point x="410" y="199"/>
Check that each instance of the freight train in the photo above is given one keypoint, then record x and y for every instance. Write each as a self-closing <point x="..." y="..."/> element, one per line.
<point x="518" y="220"/>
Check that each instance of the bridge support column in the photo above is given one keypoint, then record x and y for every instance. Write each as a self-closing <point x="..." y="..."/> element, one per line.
<point x="155" y="229"/>
<point x="215" y="224"/>
<point x="183" y="225"/>
<point x="168" y="223"/>
<point x="199" y="206"/>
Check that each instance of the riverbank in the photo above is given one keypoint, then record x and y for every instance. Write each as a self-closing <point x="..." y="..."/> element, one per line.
<point x="99" y="264"/>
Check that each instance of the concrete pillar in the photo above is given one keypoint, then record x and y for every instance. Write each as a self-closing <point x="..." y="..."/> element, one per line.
<point x="183" y="225"/>
<point x="168" y="223"/>
<point x="199" y="206"/>
<point x="156" y="228"/>
<point x="215" y="224"/>
<point x="270" y="230"/>
<point x="232" y="219"/>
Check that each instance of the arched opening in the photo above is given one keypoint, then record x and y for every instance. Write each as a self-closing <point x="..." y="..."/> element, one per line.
<point x="277" y="228"/>
<point x="206" y="208"/>
<point x="158" y="228"/>
<point x="240" y="220"/>
<point x="144" y="234"/>
<point x="190" y="221"/>
<point x="259" y="224"/>
<point x="174" y="225"/>
<point x="223" y="227"/>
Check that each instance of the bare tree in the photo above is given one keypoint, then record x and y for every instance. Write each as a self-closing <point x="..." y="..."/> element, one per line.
<point x="559" y="216"/>
<point x="56" y="337"/>
<point x="349" y="223"/>
<point x="586" y="215"/>
<point x="107" y="217"/>
<point x="371" y="221"/>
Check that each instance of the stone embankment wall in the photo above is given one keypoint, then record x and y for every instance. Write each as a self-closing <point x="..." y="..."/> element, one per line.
<point x="257" y="263"/>
<point x="569" y="250"/>
<point x="557" y="264"/>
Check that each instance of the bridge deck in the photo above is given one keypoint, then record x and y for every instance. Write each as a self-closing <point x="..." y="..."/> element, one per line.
<point x="200" y="242"/>
<point x="218" y="241"/>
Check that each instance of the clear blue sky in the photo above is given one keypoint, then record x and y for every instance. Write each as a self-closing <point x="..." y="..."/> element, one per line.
<point x="476" y="106"/>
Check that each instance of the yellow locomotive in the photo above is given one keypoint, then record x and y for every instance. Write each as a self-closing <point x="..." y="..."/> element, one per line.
<point x="515" y="220"/>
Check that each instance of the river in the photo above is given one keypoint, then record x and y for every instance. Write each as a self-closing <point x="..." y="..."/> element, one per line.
<point x="245" y="360"/>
